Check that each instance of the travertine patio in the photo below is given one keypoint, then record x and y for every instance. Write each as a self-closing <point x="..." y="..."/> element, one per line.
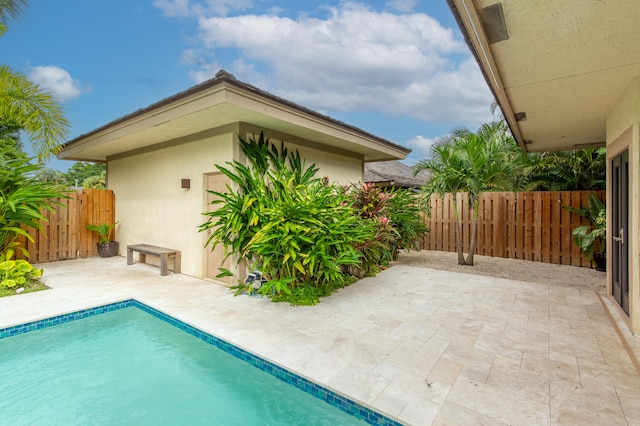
<point x="420" y="345"/>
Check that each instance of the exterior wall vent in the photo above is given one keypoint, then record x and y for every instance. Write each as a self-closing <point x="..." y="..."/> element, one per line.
<point x="493" y="22"/>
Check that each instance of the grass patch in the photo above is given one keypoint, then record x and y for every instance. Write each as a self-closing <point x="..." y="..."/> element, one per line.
<point x="28" y="288"/>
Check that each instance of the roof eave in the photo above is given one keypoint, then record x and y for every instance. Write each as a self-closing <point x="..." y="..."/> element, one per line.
<point x="224" y="80"/>
<point x="472" y="30"/>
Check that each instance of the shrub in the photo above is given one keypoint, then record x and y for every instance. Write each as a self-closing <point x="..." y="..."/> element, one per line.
<point x="299" y="230"/>
<point x="22" y="199"/>
<point x="17" y="273"/>
<point x="407" y="219"/>
<point x="306" y="236"/>
<point x="398" y="224"/>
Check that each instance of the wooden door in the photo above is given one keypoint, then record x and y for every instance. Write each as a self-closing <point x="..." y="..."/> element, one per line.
<point x="619" y="228"/>
<point x="214" y="259"/>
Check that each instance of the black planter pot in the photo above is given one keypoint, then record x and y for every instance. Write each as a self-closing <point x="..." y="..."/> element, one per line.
<point x="601" y="261"/>
<point x="109" y="249"/>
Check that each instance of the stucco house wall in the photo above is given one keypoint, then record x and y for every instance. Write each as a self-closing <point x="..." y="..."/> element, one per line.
<point x="152" y="207"/>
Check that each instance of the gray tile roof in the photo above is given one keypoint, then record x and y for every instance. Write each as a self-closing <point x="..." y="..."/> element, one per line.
<point x="393" y="173"/>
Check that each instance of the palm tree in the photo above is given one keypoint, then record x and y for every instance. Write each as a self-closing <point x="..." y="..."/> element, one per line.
<point x="474" y="163"/>
<point x="577" y="169"/>
<point x="25" y="104"/>
<point x="10" y="9"/>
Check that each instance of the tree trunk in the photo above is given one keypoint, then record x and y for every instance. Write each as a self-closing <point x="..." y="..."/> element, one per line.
<point x="457" y="228"/>
<point x="474" y="234"/>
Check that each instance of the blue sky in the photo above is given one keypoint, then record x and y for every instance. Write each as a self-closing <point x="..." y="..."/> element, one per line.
<point x="396" y="68"/>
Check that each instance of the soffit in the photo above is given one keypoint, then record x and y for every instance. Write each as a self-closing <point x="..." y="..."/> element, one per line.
<point x="564" y="64"/>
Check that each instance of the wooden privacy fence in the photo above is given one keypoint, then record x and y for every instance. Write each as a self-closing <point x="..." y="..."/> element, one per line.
<point x="65" y="233"/>
<point x="517" y="225"/>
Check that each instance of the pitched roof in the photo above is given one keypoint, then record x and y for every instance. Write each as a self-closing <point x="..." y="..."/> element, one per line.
<point x="216" y="102"/>
<point x="393" y="173"/>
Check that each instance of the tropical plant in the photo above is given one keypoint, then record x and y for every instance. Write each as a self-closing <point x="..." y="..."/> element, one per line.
<point x="370" y="205"/>
<point x="17" y="273"/>
<point x="397" y="221"/>
<point x="104" y="231"/>
<point x="95" y="182"/>
<point x="591" y="238"/>
<point x="473" y="163"/>
<point x="10" y="9"/>
<point x="23" y="197"/>
<point x="25" y="104"/>
<point x="406" y="218"/>
<point x="10" y="140"/>
<point x="299" y="230"/>
<point x="577" y="169"/>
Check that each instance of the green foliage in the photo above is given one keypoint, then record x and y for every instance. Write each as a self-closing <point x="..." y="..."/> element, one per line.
<point x="405" y="216"/>
<point x="396" y="222"/>
<point x="104" y="231"/>
<point x="17" y="273"/>
<point x="23" y="197"/>
<point x="10" y="9"/>
<point x="370" y="204"/>
<point x="591" y="238"/>
<point x="96" y="181"/>
<point x="306" y="236"/>
<point x="88" y="175"/>
<point x="10" y="144"/>
<point x="578" y="169"/>
<point x="296" y="228"/>
<point x="36" y="112"/>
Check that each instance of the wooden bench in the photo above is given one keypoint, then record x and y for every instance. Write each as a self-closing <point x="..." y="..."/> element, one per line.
<point x="164" y="253"/>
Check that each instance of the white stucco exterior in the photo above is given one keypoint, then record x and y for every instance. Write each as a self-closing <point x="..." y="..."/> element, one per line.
<point x="151" y="206"/>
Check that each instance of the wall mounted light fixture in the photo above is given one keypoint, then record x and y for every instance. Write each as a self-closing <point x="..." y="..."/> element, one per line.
<point x="186" y="183"/>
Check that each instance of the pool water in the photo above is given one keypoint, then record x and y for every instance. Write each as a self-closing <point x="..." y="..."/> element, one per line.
<point x="129" y="367"/>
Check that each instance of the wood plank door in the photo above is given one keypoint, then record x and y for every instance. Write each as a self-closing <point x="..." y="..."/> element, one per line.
<point x="214" y="258"/>
<point x="619" y="228"/>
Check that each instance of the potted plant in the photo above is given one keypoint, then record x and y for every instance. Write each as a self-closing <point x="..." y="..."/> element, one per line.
<point x="592" y="238"/>
<point x="106" y="247"/>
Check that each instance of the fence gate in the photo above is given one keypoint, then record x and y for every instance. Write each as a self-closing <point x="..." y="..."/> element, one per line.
<point x="65" y="234"/>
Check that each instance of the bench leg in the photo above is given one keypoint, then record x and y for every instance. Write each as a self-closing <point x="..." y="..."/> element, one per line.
<point x="164" y="264"/>
<point x="129" y="256"/>
<point x="176" y="263"/>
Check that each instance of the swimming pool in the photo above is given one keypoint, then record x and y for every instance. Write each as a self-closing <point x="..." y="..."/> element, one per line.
<point x="137" y="365"/>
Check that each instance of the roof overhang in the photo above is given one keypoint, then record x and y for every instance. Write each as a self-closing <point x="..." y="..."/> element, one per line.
<point x="219" y="102"/>
<point x="562" y="66"/>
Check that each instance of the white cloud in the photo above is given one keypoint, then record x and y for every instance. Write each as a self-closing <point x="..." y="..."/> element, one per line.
<point x="421" y="144"/>
<point x="405" y="6"/>
<point x="184" y="8"/>
<point x="421" y="148"/>
<point x="174" y="8"/>
<point x="57" y="81"/>
<point x="352" y="59"/>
